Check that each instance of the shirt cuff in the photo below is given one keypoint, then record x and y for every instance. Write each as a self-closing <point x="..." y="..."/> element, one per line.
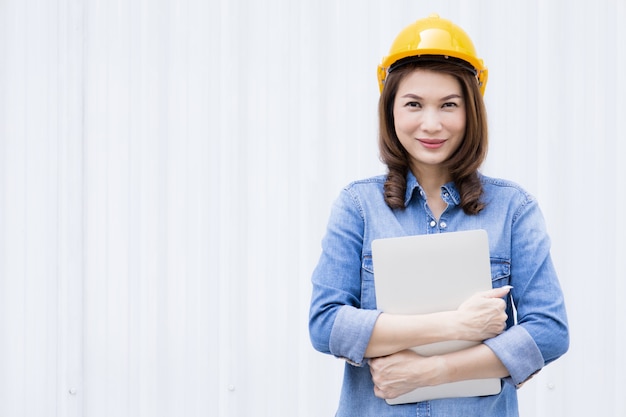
<point x="351" y="333"/>
<point x="518" y="352"/>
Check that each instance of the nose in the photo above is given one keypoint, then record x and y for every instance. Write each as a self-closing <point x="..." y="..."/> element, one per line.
<point x="431" y="120"/>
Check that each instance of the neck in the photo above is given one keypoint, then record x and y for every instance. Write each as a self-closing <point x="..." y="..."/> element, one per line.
<point x="431" y="178"/>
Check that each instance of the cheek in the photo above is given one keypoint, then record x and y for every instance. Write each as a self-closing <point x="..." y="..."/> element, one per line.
<point x="458" y="125"/>
<point x="463" y="121"/>
<point x="462" y="129"/>
<point x="402" y="122"/>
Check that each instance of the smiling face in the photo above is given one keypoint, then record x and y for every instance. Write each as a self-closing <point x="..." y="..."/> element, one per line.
<point x="429" y="117"/>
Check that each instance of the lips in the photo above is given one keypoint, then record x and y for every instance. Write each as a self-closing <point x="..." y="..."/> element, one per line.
<point x="432" y="143"/>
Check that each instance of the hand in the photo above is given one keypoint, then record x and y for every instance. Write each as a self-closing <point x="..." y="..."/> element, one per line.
<point x="483" y="316"/>
<point x="401" y="372"/>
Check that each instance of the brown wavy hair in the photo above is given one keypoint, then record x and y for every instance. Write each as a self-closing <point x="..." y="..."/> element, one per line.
<point x="463" y="164"/>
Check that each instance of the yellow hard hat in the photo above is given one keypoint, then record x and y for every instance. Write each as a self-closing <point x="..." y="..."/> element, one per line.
<point x="433" y="36"/>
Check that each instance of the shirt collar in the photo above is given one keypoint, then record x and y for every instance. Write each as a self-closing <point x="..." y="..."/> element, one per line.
<point x="412" y="186"/>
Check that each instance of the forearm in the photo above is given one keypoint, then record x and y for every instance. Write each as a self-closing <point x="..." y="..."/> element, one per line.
<point x="393" y="333"/>
<point x="405" y="371"/>
<point x="477" y="362"/>
<point x="481" y="317"/>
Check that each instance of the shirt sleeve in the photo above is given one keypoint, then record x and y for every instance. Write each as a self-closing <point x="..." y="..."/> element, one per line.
<point x="541" y="333"/>
<point x="512" y="345"/>
<point x="351" y="333"/>
<point x="338" y="324"/>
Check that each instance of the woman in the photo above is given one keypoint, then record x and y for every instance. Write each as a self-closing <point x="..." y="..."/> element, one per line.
<point x="433" y="139"/>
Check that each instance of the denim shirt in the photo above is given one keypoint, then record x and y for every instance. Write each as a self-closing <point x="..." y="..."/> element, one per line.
<point x="343" y="304"/>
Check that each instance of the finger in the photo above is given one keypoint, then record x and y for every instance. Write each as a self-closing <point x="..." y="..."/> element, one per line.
<point x="497" y="292"/>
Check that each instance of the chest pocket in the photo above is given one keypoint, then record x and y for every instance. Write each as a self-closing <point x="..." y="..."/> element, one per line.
<point x="368" y="290"/>
<point x="500" y="272"/>
<point x="501" y="276"/>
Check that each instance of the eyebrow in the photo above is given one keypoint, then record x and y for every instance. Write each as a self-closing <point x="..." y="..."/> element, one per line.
<point x="415" y="96"/>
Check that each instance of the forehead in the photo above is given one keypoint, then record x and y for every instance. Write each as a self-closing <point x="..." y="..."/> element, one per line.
<point x="426" y="82"/>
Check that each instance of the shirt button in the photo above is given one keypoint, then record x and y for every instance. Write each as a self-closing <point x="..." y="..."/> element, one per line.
<point x="443" y="225"/>
<point x="433" y="223"/>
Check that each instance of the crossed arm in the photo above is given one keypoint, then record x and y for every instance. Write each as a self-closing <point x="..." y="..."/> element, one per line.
<point x="396" y="369"/>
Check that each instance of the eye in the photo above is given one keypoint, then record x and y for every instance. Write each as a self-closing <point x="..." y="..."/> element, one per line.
<point x="413" y="104"/>
<point x="450" y="104"/>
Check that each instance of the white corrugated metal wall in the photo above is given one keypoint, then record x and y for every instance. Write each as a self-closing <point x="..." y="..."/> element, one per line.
<point x="167" y="168"/>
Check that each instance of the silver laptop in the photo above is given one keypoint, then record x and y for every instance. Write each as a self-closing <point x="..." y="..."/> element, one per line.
<point x="430" y="273"/>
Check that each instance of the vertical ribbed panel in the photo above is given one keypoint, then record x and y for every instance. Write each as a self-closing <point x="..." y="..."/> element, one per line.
<point x="167" y="168"/>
